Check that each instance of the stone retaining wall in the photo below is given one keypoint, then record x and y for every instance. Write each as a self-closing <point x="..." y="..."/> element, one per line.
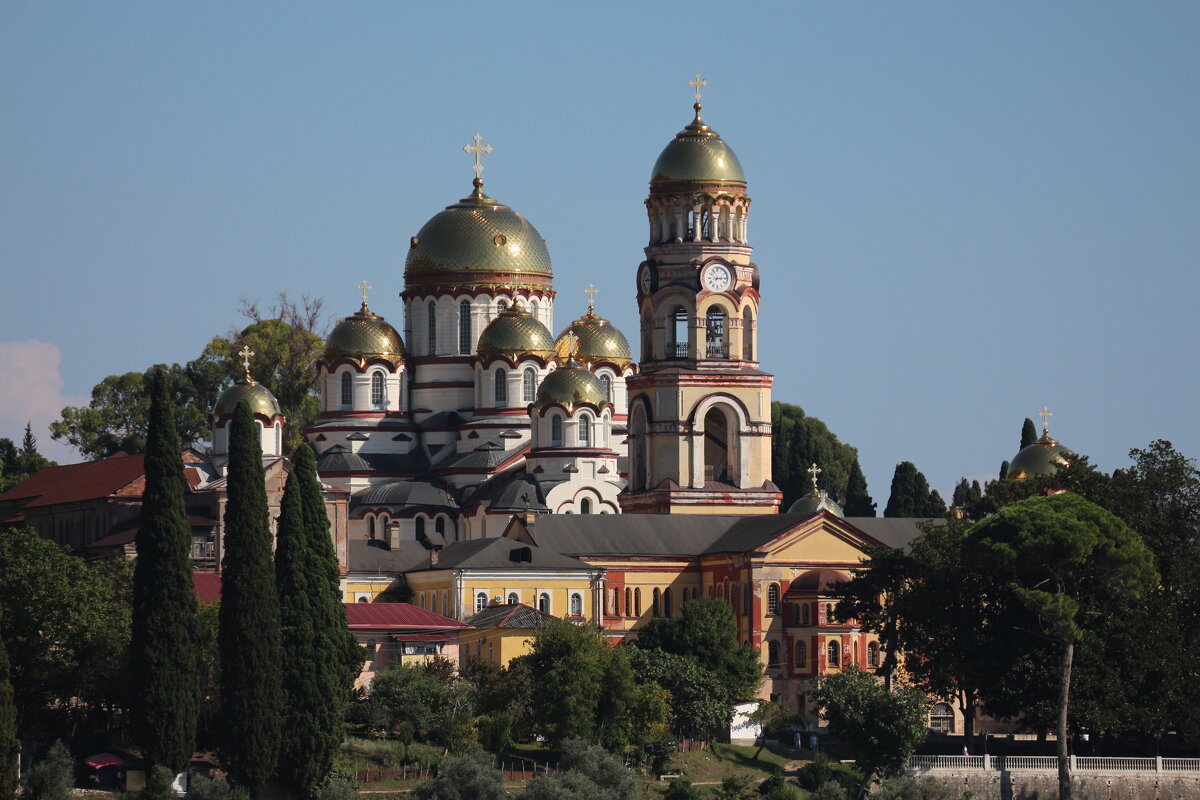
<point x="1044" y="786"/>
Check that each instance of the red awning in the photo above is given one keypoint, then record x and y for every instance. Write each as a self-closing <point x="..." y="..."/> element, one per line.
<point x="102" y="760"/>
<point x="421" y="637"/>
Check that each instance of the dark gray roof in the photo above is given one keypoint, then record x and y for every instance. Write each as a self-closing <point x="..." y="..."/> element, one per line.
<point x="340" y="458"/>
<point x="410" y="494"/>
<point x="515" y="490"/>
<point x="379" y="423"/>
<point x="375" y="557"/>
<point x="486" y="456"/>
<point x="510" y="616"/>
<point x="893" y="531"/>
<point x="502" y="554"/>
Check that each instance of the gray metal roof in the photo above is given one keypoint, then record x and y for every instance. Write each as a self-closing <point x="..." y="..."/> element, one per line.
<point x="376" y="558"/>
<point x="515" y="490"/>
<point x="897" y="532"/>
<point x="510" y="616"/>
<point x="408" y="495"/>
<point x="340" y="458"/>
<point x="502" y="553"/>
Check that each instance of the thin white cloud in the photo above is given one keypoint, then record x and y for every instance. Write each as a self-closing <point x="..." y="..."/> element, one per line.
<point x="31" y="390"/>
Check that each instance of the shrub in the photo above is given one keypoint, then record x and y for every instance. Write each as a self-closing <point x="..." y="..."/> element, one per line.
<point x="817" y="773"/>
<point x="830" y="790"/>
<point x="53" y="777"/>
<point x="205" y="788"/>
<point x="158" y="785"/>
<point x="335" y="787"/>
<point x="495" y="731"/>
<point x="682" y="789"/>
<point x="469" y="775"/>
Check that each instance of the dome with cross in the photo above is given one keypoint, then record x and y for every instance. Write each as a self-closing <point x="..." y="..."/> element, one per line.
<point x="364" y="336"/>
<point x="513" y="334"/>
<point x="479" y="243"/>
<point x="697" y="154"/>
<point x="598" y="339"/>
<point x="258" y="397"/>
<point x="1043" y="457"/>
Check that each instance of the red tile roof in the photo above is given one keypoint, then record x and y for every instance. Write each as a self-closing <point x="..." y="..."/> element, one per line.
<point x="75" y="482"/>
<point x="208" y="586"/>
<point x="396" y="616"/>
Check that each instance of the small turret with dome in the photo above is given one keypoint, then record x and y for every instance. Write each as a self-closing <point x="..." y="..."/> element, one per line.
<point x="1043" y="457"/>
<point x="599" y="341"/>
<point x="571" y="385"/>
<point x="515" y="334"/>
<point x="816" y="500"/>
<point x="263" y="405"/>
<point x="363" y="364"/>
<point x="364" y="336"/>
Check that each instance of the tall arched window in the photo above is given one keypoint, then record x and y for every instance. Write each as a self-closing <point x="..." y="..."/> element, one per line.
<point x="637" y="602"/>
<point x="420" y="529"/>
<point x="347" y="389"/>
<point x="377" y="388"/>
<point x="667" y="602"/>
<point x="585" y="430"/>
<point x="370" y="527"/>
<point x="801" y="655"/>
<point x="556" y="429"/>
<point x="585" y="506"/>
<point x="501" y="387"/>
<point x="606" y="388"/>
<point x="513" y="598"/>
<point x="576" y="605"/>
<point x="544" y="603"/>
<point x="715" y="344"/>
<point x="439" y="526"/>
<point x="829" y="618"/>
<point x="435" y="603"/>
<point x="804" y="614"/>
<point x="480" y="601"/>
<point x="717" y="441"/>
<point x="628" y="598"/>
<point x="941" y="718"/>
<point x="773" y="598"/>
<point x="533" y="307"/>
<point x="772" y="653"/>
<point x="835" y="654"/>
<point x="747" y="335"/>
<point x="655" y="598"/>
<point x="873" y="654"/>
<point x="678" y="346"/>
<point x="464" y="327"/>
<point x="431" y="310"/>
<point x="528" y="384"/>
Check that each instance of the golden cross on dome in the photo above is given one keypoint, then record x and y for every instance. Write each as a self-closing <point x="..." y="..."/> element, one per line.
<point x="591" y="291"/>
<point x="572" y="344"/>
<point x="479" y="150"/>
<point x="1045" y="414"/>
<point x="246" y="354"/>
<point x="364" y="287"/>
<point x="697" y="83"/>
<point x="814" y="470"/>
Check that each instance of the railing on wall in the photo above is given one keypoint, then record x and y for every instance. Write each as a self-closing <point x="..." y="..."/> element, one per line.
<point x="1050" y="764"/>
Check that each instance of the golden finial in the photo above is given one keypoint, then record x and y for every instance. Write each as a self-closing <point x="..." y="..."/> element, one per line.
<point x="814" y="471"/>
<point x="477" y="148"/>
<point x="364" y="287"/>
<point x="246" y="353"/>
<point x="591" y="291"/>
<point x="1045" y="414"/>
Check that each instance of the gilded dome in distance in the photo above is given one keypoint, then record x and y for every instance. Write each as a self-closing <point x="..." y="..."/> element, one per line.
<point x="259" y="397"/>
<point x="697" y="154"/>
<point x="597" y="340"/>
<point x="362" y="337"/>
<point x="1043" y="457"/>
<point x="570" y="385"/>
<point x="513" y="334"/>
<point x="816" y="500"/>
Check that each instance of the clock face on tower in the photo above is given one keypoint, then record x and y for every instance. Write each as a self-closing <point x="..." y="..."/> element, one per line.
<point x="717" y="277"/>
<point x="645" y="279"/>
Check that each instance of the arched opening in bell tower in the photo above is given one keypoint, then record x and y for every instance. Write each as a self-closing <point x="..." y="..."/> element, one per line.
<point x="718" y="453"/>
<point x="678" y="346"/>
<point x="639" y="449"/>
<point x="716" y="344"/>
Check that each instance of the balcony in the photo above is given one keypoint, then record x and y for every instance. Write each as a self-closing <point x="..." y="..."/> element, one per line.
<point x="717" y="472"/>
<point x="717" y="350"/>
<point x="677" y="349"/>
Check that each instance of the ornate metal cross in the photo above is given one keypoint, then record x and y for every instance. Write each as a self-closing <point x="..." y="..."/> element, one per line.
<point x="246" y="353"/>
<point x="591" y="291"/>
<point x="572" y="343"/>
<point x="697" y="83"/>
<point x="479" y="150"/>
<point x="364" y="287"/>
<point x="814" y="470"/>
<point x="1045" y="415"/>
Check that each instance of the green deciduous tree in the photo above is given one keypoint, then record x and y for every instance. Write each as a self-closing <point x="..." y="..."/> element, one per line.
<point x="429" y="699"/>
<point x="701" y="704"/>
<point x="1058" y="555"/>
<point x="799" y="440"/>
<point x="858" y="500"/>
<point x="163" y="653"/>
<point x="251" y="653"/>
<point x="884" y="728"/>
<point x="10" y="741"/>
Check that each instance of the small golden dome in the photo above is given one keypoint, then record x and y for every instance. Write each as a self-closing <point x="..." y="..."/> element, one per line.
<point x="570" y="385"/>
<point x="513" y="334"/>
<point x="261" y="401"/>
<point x="598" y="340"/>
<point x="814" y="501"/>
<point x="1043" y="457"/>
<point x="477" y="241"/>
<point x="364" y="336"/>
<point x="697" y="154"/>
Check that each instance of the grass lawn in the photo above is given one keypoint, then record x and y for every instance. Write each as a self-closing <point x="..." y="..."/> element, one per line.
<point x="714" y="763"/>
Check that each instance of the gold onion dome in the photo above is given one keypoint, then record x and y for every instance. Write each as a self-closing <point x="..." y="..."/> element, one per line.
<point x="513" y="334"/>
<point x="259" y="397"/>
<point x="570" y="385"/>
<point x="697" y="154"/>
<point x="816" y="501"/>
<point x="598" y="340"/>
<point x="477" y="242"/>
<point x="1043" y="457"/>
<point x="362" y="337"/>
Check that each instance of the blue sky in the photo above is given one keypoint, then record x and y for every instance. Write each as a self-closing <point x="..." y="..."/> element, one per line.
<point x="962" y="212"/>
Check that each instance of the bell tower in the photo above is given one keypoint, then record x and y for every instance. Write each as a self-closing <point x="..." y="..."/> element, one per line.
<point x="700" y="407"/>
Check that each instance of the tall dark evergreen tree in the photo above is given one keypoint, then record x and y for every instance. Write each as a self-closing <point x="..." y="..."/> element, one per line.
<point x="1004" y="470"/>
<point x="858" y="501"/>
<point x="10" y="741"/>
<point x="163" y="652"/>
<point x="935" y="506"/>
<point x="910" y="495"/>
<point x="316" y="640"/>
<point x="1029" y="433"/>
<point x="249" y="638"/>
<point x="962" y="493"/>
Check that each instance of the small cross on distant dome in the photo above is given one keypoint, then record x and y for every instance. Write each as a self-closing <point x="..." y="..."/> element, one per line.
<point x="591" y="291"/>
<point x="814" y="470"/>
<point x="477" y="148"/>
<point x="572" y="343"/>
<point x="365" y="287"/>
<point x="246" y="353"/>
<point x="1045" y="414"/>
<point x="697" y="83"/>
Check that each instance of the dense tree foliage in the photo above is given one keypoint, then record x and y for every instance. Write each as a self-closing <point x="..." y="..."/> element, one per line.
<point x="10" y="741"/>
<point x="589" y="772"/>
<point x="797" y="442"/>
<point x="429" y="700"/>
<point x="469" y="776"/>
<point x="52" y="777"/>
<point x="251" y="652"/>
<point x="163" y="652"/>
<point x="1029" y="434"/>
<point x="286" y="341"/>
<point x="18" y="463"/>
<point x="911" y="495"/>
<point x="858" y="500"/>
<point x="883" y="727"/>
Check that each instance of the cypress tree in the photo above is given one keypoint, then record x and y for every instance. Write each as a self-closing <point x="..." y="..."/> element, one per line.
<point x="858" y="501"/>
<point x="10" y="742"/>
<point x="249" y="636"/>
<point x="910" y="495"/>
<point x="1003" y="470"/>
<point x="164" y="647"/>
<point x="962" y="493"/>
<point x="935" y="506"/>
<point x="1029" y="433"/>
<point x="315" y="681"/>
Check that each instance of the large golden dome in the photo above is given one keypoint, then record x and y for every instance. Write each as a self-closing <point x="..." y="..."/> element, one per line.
<point x="598" y="340"/>
<point x="570" y="385"/>
<point x="1043" y="457"/>
<point x="259" y="397"/>
<point x="513" y="334"/>
<point x="697" y="154"/>
<point x="477" y="242"/>
<point x="364" y="336"/>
